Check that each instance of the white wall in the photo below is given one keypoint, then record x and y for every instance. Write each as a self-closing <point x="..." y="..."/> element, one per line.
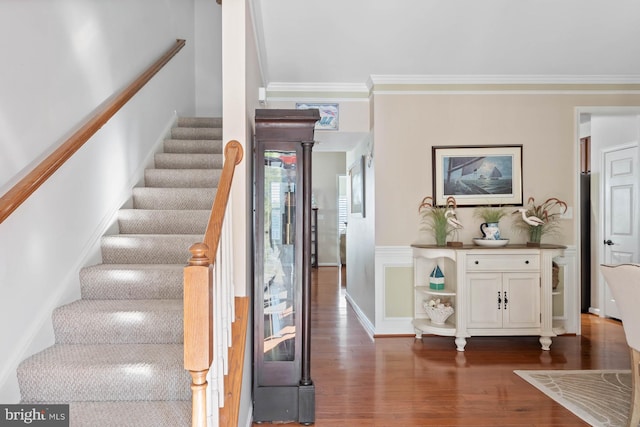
<point x="208" y="51"/>
<point x="361" y="234"/>
<point x="61" y="60"/>
<point x="241" y="79"/>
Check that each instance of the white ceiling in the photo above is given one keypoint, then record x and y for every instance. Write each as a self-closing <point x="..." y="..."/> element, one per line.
<point x="345" y="42"/>
<point x="343" y="45"/>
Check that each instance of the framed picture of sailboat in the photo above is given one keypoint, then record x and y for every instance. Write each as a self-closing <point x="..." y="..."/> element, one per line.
<point x="477" y="175"/>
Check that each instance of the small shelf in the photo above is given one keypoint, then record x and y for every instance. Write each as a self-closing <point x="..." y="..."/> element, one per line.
<point x="425" y="325"/>
<point x="442" y="292"/>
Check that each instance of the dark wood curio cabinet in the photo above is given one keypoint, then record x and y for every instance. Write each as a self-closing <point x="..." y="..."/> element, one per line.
<point x="282" y="385"/>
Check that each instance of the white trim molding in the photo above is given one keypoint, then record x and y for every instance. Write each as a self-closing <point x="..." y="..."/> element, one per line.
<point x="277" y="90"/>
<point x="364" y="321"/>
<point x="508" y="79"/>
<point x="457" y="84"/>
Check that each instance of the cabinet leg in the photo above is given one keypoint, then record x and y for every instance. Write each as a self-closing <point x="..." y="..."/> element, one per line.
<point x="418" y="333"/>
<point x="546" y="343"/>
<point x="460" y="343"/>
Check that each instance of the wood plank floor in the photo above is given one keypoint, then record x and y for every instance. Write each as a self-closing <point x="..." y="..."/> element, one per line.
<point x="400" y="381"/>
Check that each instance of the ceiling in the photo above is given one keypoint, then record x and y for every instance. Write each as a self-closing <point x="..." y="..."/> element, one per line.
<point x="344" y="46"/>
<point x="345" y="42"/>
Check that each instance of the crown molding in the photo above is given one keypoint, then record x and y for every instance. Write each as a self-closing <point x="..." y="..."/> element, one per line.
<point x="505" y="79"/>
<point x="319" y="88"/>
<point x="459" y="84"/>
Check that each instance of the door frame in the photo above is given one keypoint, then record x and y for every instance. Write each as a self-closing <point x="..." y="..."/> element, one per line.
<point x="595" y="157"/>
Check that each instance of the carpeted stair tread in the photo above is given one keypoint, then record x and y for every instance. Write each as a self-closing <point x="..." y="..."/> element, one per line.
<point x="154" y="321"/>
<point x="188" y="161"/>
<point x="105" y="372"/>
<point x="173" y="198"/>
<point x="182" y="178"/>
<point x="149" y="221"/>
<point x="132" y="281"/>
<point x="130" y="414"/>
<point x="148" y="248"/>
<point x="193" y="146"/>
<point x="118" y="357"/>
<point x="200" y="122"/>
<point x="196" y="133"/>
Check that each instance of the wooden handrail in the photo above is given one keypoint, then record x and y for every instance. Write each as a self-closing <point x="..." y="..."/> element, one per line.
<point x="233" y="156"/>
<point x="20" y="192"/>
<point x="198" y="291"/>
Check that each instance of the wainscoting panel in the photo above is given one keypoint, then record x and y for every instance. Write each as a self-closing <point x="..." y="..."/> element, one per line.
<point x="394" y="290"/>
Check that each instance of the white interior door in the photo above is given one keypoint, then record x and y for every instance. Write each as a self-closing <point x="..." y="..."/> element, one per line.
<point x="621" y="236"/>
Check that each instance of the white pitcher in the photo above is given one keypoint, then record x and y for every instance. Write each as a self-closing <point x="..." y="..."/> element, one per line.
<point x="490" y="231"/>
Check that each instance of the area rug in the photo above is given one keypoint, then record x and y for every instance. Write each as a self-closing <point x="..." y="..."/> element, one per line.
<point x="599" y="397"/>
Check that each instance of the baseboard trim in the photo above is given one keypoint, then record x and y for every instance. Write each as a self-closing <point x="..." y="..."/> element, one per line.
<point x="362" y="318"/>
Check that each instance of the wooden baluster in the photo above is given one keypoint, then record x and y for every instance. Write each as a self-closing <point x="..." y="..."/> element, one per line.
<point x="198" y="328"/>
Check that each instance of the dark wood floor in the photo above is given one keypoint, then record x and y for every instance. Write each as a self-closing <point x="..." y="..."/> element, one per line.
<point x="400" y="381"/>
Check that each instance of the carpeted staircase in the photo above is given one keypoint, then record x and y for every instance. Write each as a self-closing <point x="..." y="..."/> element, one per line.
<point x="118" y="356"/>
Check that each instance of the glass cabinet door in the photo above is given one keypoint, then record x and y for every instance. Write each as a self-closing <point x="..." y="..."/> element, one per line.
<point x="279" y="246"/>
<point x="279" y="272"/>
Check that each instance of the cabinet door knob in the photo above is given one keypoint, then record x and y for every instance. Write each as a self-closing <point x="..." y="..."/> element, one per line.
<point x="526" y="262"/>
<point x="477" y="262"/>
<point x="499" y="300"/>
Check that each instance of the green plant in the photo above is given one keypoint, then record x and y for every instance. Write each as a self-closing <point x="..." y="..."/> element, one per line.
<point x="545" y="214"/>
<point x="490" y="213"/>
<point x="434" y="218"/>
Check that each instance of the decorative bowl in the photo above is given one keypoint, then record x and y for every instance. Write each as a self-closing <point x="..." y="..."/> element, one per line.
<point x="438" y="315"/>
<point x="490" y="243"/>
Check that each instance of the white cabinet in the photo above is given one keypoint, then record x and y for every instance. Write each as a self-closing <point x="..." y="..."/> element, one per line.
<point x="494" y="291"/>
<point x="503" y="300"/>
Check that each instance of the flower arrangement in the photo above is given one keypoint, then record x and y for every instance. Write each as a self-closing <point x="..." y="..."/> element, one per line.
<point x="438" y="310"/>
<point x="540" y="219"/>
<point x="490" y="214"/>
<point x="435" y="218"/>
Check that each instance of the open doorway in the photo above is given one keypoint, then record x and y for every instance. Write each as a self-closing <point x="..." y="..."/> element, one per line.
<point x="329" y="197"/>
<point x="608" y="195"/>
<point x="585" y="217"/>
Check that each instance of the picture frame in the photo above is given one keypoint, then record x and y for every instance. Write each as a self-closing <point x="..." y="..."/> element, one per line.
<point x="477" y="175"/>
<point x="357" y="186"/>
<point x="329" y="114"/>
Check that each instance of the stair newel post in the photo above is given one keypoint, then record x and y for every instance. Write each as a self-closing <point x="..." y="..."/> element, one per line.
<point x="198" y="327"/>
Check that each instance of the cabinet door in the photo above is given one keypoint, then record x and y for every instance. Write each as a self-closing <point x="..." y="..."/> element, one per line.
<point x="521" y="300"/>
<point x="485" y="310"/>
